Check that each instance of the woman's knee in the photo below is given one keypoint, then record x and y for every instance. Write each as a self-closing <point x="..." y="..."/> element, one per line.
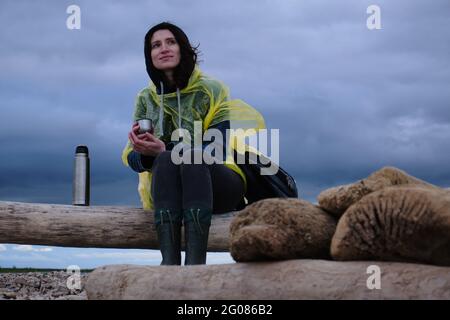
<point x="193" y="156"/>
<point x="163" y="160"/>
<point x="163" y="156"/>
<point x="195" y="162"/>
<point x="163" y="165"/>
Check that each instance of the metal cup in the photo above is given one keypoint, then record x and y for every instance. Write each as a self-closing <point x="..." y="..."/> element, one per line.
<point x="145" y="125"/>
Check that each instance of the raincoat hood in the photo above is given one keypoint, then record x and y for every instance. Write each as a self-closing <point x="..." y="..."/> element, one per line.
<point x="188" y="58"/>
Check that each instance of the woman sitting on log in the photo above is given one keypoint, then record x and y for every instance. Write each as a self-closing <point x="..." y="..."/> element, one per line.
<point x="180" y="96"/>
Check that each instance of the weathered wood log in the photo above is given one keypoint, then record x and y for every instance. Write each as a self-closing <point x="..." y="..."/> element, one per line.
<point x="92" y="227"/>
<point x="290" y="279"/>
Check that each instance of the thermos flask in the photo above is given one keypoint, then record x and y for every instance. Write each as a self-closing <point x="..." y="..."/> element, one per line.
<point x="80" y="188"/>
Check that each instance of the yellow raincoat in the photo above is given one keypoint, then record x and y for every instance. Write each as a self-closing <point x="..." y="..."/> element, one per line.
<point x="203" y="99"/>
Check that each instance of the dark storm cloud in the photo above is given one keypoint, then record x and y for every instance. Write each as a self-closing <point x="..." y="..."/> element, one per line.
<point x="347" y="100"/>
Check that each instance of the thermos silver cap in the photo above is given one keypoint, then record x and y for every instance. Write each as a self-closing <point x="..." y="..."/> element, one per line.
<point x="81" y="177"/>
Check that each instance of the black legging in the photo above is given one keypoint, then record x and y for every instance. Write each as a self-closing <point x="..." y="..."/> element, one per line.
<point x="181" y="186"/>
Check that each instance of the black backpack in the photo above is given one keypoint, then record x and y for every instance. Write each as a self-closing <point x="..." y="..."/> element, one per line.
<point x="279" y="185"/>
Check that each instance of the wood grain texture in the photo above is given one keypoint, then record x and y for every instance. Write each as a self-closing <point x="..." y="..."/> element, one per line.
<point x="290" y="279"/>
<point x="92" y="227"/>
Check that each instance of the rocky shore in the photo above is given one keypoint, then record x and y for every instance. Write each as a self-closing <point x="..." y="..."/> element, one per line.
<point x="40" y="286"/>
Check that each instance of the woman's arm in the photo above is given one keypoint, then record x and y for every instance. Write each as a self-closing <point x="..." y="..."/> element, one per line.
<point x="145" y="149"/>
<point x="139" y="162"/>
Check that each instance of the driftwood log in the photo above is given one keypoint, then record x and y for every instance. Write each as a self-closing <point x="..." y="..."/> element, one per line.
<point x="290" y="279"/>
<point x="92" y="227"/>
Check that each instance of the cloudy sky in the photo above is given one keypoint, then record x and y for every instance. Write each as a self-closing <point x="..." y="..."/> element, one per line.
<point x="347" y="100"/>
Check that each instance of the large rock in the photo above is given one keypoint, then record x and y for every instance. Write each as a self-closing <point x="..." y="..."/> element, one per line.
<point x="337" y="199"/>
<point x="408" y="223"/>
<point x="281" y="229"/>
<point x="291" y="279"/>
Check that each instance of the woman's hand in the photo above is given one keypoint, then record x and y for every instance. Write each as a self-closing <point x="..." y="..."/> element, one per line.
<point x="145" y="143"/>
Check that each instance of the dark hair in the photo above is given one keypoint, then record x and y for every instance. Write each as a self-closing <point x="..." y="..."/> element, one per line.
<point x="188" y="57"/>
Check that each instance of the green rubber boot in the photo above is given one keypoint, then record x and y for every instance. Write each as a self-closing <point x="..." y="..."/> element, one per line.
<point x="196" y="231"/>
<point x="168" y="229"/>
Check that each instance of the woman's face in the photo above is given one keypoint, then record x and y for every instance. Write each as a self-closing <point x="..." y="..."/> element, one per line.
<point x="165" y="50"/>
